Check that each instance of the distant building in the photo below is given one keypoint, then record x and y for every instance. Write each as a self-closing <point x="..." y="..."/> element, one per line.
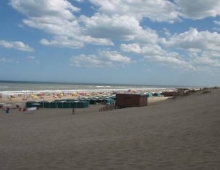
<point x="130" y="100"/>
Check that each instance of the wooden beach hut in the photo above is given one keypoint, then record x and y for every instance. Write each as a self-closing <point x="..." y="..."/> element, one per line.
<point x="131" y="100"/>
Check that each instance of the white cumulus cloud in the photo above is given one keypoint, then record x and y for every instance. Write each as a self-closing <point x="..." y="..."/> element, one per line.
<point x="207" y="61"/>
<point x="89" y="61"/>
<point x="57" y="19"/>
<point x="199" y="9"/>
<point x="62" y="41"/>
<point x="18" y="45"/>
<point x="155" y="53"/>
<point x="157" y="10"/>
<point x="114" y="56"/>
<point x="114" y="27"/>
<point x="101" y="59"/>
<point x="172" y="60"/>
<point x="195" y="40"/>
<point x="135" y="48"/>
<point x="55" y="8"/>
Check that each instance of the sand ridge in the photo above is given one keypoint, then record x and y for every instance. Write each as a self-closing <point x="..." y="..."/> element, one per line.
<point x="180" y="133"/>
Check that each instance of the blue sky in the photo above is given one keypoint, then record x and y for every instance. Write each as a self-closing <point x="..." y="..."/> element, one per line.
<point x="158" y="42"/>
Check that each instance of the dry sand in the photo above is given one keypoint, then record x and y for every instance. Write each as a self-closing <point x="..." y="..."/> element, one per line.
<point x="177" y="134"/>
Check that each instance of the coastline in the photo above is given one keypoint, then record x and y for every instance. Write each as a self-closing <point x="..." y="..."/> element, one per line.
<point x="37" y="97"/>
<point x="36" y="91"/>
<point x="23" y="96"/>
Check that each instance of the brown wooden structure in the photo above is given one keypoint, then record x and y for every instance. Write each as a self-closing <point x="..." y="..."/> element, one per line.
<point x="131" y="100"/>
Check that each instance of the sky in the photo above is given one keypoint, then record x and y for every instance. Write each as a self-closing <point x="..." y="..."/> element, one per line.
<point x="152" y="42"/>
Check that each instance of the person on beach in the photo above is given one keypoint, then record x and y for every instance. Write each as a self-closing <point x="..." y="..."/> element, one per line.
<point x="73" y="111"/>
<point x="18" y="107"/>
<point x="7" y="110"/>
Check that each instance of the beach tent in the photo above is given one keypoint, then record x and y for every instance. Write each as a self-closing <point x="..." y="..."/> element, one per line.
<point x="158" y="94"/>
<point x="150" y="94"/>
<point x="53" y="104"/>
<point x="109" y="101"/>
<point x="36" y="104"/>
<point x="76" y="104"/>
<point x="92" y="101"/>
<point x="113" y="97"/>
<point x="99" y="100"/>
<point x="72" y="104"/>
<point x="70" y="100"/>
<point x="66" y="104"/>
<point x="29" y="103"/>
<point x="45" y="104"/>
<point x="83" y="104"/>
<point x="60" y="103"/>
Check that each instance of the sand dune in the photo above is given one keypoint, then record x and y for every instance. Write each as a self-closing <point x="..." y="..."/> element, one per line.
<point x="179" y="134"/>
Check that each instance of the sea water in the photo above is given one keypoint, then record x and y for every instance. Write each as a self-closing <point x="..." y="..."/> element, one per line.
<point x="20" y="87"/>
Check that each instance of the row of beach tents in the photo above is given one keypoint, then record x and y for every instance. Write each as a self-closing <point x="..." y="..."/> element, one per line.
<point x="80" y="103"/>
<point x="69" y="103"/>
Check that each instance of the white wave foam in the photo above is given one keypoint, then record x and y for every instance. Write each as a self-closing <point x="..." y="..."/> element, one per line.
<point x="102" y="86"/>
<point x="27" y="92"/>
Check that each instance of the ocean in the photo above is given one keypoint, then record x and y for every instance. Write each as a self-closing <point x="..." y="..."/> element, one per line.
<point x="15" y="87"/>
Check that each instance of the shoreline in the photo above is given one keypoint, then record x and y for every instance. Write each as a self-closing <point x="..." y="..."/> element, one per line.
<point x="24" y="96"/>
<point x="50" y="95"/>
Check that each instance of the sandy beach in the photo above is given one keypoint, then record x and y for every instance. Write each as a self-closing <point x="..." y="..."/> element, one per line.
<point x="21" y="99"/>
<point x="179" y="134"/>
